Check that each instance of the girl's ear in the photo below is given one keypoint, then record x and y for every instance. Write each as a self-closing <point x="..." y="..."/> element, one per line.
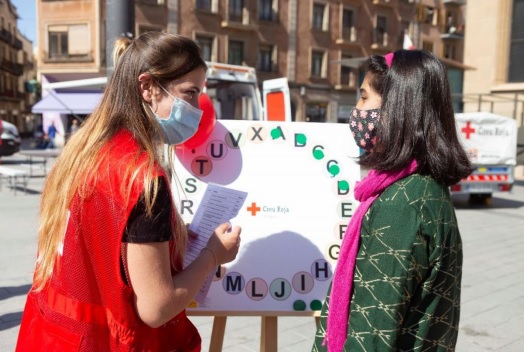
<point x="145" y="84"/>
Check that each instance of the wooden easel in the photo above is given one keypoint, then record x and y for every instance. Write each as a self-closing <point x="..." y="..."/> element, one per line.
<point x="268" y="331"/>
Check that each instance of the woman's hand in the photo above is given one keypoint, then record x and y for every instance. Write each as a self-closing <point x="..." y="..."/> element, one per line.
<point x="225" y="242"/>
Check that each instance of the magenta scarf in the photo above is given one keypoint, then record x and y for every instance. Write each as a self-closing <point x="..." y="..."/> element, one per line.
<point x="366" y="192"/>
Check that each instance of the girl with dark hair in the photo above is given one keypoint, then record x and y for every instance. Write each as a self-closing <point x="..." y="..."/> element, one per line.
<point x="397" y="281"/>
<point x="109" y="274"/>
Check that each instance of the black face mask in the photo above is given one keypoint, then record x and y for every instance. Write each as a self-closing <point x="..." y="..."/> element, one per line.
<point x="363" y="125"/>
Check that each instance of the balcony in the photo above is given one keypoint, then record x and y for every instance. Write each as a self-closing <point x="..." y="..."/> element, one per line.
<point x="380" y="40"/>
<point x="347" y="80"/>
<point x="13" y="67"/>
<point x="11" y="95"/>
<point x="454" y="2"/>
<point x="240" y="22"/>
<point x="17" y="44"/>
<point x="6" y="36"/>
<point x="238" y="25"/>
<point x="150" y="2"/>
<point x="67" y="58"/>
<point x="389" y="3"/>
<point x="349" y="36"/>
<point x="453" y="32"/>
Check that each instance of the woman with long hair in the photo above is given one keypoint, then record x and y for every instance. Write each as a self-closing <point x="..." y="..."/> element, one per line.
<point x="397" y="282"/>
<point x="109" y="273"/>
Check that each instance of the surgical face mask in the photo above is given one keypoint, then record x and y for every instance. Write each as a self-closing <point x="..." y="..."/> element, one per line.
<point x="363" y="125"/>
<point x="182" y="122"/>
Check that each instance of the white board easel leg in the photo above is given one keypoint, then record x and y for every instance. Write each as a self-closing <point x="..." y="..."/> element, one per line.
<point x="217" y="334"/>
<point x="269" y="334"/>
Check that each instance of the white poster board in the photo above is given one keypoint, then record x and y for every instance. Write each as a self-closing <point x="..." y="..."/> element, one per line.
<point x="299" y="178"/>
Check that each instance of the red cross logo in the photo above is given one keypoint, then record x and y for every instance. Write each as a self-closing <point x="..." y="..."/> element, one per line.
<point x="467" y="130"/>
<point x="253" y="209"/>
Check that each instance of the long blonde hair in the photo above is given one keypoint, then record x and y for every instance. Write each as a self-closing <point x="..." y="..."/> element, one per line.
<point x="165" y="57"/>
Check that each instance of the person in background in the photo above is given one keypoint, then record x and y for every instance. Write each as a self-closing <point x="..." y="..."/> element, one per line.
<point x="51" y="135"/>
<point x="397" y="282"/>
<point x="74" y="126"/>
<point x="111" y="242"/>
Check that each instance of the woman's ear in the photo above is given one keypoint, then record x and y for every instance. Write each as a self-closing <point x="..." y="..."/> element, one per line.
<point x="145" y="84"/>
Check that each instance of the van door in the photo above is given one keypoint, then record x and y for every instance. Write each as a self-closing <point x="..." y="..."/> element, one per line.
<point x="277" y="103"/>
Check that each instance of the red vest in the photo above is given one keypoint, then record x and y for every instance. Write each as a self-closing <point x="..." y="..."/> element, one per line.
<point x="86" y="306"/>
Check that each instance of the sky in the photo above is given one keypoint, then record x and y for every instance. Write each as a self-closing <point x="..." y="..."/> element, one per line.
<point x="27" y="22"/>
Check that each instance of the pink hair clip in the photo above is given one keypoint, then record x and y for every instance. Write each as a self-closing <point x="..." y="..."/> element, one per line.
<point x="389" y="59"/>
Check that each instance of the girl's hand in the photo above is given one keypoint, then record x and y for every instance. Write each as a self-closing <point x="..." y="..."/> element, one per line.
<point x="225" y="243"/>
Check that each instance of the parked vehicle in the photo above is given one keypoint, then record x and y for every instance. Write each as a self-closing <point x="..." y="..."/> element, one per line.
<point x="10" y="139"/>
<point x="491" y="142"/>
<point x="233" y="90"/>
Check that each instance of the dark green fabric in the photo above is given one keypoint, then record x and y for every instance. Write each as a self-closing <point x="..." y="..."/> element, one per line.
<point x="406" y="291"/>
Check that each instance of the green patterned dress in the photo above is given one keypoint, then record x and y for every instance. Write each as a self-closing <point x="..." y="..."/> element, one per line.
<point x="406" y="291"/>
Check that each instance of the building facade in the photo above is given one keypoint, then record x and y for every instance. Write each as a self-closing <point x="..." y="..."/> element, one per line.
<point x="495" y="47"/>
<point x="317" y="44"/>
<point x="12" y="95"/>
<point x="27" y="82"/>
<point x="70" y="39"/>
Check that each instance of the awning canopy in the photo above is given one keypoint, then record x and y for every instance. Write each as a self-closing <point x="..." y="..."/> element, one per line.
<point x="68" y="103"/>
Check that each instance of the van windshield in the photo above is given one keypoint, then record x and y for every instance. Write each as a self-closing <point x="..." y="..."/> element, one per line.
<point x="234" y="100"/>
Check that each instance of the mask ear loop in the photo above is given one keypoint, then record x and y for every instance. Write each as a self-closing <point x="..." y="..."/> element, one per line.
<point x="165" y="90"/>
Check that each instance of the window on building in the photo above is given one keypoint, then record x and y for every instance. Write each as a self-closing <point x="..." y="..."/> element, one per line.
<point x="320" y="16"/>
<point x="427" y="46"/>
<point x="516" y="50"/>
<point x="68" y="41"/>
<point x="235" y="52"/>
<point x="206" y="45"/>
<point x="316" y="112"/>
<point x="7" y="83"/>
<point x="204" y="5"/>
<point x="236" y="9"/>
<point x="346" y="73"/>
<point x="58" y="44"/>
<point x="381" y="30"/>
<point x="266" y="60"/>
<point x="404" y="29"/>
<point x="449" y="51"/>
<point x="429" y="14"/>
<point x="318" y="63"/>
<point x="207" y="5"/>
<point x="348" y="24"/>
<point x="266" y="10"/>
